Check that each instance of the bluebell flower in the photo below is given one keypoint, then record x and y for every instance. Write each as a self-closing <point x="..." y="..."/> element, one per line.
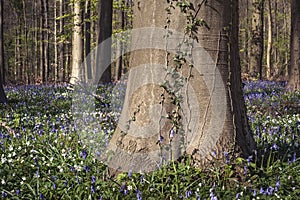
<point x="188" y="193"/>
<point x="270" y="190"/>
<point x="254" y="193"/>
<point x="93" y="179"/>
<point x="130" y="173"/>
<point x="139" y="195"/>
<point x="261" y="191"/>
<point x="226" y="157"/>
<point x="4" y="194"/>
<point x="274" y="147"/>
<point x="142" y="179"/>
<point x="214" y="153"/>
<point x="83" y="154"/>
<point x="42" y="196"/>
<point x="72" y="169"/>
<point x="197" y="196"/>
<point x="18" y="192"/>
<point x="172" y="132"/>
<point x="160" y="139"/>
<point x="92" y="188"/>
<point x="86" y="168"/>
<point x="294" y="157"/>
<point x="278" y="183"/>
<point x="245" y="170"/>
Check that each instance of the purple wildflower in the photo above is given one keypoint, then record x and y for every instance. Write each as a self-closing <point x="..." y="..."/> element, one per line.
<point x="92" y="188"/>
<point x="172" y="133"/>
<point x="83" y="154"/>
<point x="188" y="193"/>
<point x="261" y="191"/>
<point x="139" y="195"/>
<point x="93" y="179"/>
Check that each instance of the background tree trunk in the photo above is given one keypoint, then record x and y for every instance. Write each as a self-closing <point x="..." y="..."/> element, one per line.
<point x="270" y="41"/>
<point x="87" y="38"/>
<point x="2" y="94"/>
<point x="294" y="70"/>
<point x="120" y="15"/>
<point x="77" y="45"/>
<point x="257" y="39"/>
<point x="2" y="67"/>
<point x="104" y="32"/>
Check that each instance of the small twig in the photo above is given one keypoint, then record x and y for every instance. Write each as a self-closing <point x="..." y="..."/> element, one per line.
<point x="97" y="97"/>
<point x="10" y="130"/>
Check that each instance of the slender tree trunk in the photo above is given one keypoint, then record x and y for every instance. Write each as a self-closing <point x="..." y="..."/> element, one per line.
<point x="257" y="39"/>
<point x="25" y="55"/>
<point x="2" y="67"/>
<point x="77" y="46"/>
<point x="46" y="42"/>
<point x="276" y="40"/>
<point x="55" y="67"/>
<point x="61" y="64"/>
<point x="16" y="65"/>
<point x="42" y="44"/>
<point x="270" y="41"/>
<point x="87" y="34"/>
<point x="294" y="70"/>
<point x="2" y="94"/>
<point x="104" y="32"/>
<point x="119" y="46"/>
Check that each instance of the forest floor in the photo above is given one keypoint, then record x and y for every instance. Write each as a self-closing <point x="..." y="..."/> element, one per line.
<point x="44" y="156"/>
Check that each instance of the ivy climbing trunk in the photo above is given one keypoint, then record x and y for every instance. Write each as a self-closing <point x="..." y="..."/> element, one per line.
<point x="208" y="31"/>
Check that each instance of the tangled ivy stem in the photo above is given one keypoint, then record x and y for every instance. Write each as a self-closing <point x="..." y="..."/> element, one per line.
<point x="180" y="60"/>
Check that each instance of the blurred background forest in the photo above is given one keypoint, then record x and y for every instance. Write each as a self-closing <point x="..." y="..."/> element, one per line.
<point x="39" y="38"/>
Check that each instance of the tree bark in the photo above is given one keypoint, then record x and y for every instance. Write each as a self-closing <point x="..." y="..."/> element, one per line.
<point x="120" y="17"/>
<point x="270" y="41"/>
<point x="42" y="43"/>
<point x="2" y="68"/>
<point x="77" y="45"/>
<point x="132" y="150"/>
<point x="104" y="33"/>
<point x="2" y="94"/>
<point x="61" y="45"/>
<point x="87" y="34"/>
<point x="294" y="69"/>
<point x="257" y="39"/>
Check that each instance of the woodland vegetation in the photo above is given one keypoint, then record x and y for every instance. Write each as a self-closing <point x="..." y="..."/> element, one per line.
<point x="59" y="57"/>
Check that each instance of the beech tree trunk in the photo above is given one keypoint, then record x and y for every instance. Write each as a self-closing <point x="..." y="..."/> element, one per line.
<point x="77" y="44"/>
<point x="270" y="41"/>
<point x="104" y="32"/>
<point x="257" y="39"/>
<point x="135" y="147"/>
<point x="2" y="94"/>
<point x="61" y="45"/>
<point x="87" y="35"/>
<point x="294" y="70"/>
<point x="119" y="47"/>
